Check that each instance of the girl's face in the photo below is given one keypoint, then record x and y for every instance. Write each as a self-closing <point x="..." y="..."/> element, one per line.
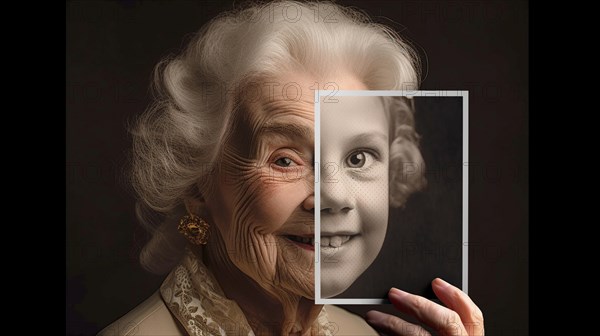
<point x="354" y="189"/>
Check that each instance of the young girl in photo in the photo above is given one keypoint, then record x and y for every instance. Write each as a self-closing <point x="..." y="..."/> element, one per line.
<point x="371" y="162"/>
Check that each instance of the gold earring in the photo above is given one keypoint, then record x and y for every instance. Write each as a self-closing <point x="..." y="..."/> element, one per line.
<point x="195" y="229"/>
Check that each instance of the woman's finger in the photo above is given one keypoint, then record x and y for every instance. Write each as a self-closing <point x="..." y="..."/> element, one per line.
<point x="457" y="300"/>
<point x="442" y="319"/>
<point x="393" y="325"/>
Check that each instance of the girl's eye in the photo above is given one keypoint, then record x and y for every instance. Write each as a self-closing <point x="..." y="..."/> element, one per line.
<point x="284" y="162"/>
<point x="359" y="159"/>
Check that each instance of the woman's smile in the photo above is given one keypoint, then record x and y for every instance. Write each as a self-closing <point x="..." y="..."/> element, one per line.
<point x="305" y="242"/>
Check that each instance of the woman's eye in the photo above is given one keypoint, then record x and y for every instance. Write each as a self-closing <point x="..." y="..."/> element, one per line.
<point x="284" y="162"/>
<point x="358" y="159"/>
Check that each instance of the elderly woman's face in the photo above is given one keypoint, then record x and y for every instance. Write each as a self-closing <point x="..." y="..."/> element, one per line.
<point x="354" y="189"/>
<point x="263" y="204"/>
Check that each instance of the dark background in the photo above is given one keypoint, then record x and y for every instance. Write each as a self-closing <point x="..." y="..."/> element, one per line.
<point x="424" y="238"/>
<point x="112" y="47"/>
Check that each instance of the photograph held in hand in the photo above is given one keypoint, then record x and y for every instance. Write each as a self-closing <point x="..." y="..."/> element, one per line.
<point x="371" y="162"/>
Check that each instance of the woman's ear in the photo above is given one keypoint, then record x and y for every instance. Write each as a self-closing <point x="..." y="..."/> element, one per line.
<point x="196" y="205"/>
<point x="407" y="170"/>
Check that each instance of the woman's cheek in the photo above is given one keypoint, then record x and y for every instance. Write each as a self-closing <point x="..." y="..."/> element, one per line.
<point x="270" y="207"/>
<point x="253" y="251"/>
<point x="276" y="202"/>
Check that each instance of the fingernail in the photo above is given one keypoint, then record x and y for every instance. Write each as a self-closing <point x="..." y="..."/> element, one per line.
<point x="397" y="293"/>
<point x="441" y="283"/>
<point x="374" y="317"/>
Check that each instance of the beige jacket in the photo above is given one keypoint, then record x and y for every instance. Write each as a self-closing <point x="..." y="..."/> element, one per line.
<point x="152" y="317"/>
<point x="191" y="302"/>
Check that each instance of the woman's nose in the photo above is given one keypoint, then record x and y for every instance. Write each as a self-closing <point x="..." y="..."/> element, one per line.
<point x="309" y="203"/>
<point x="335" y="197"/>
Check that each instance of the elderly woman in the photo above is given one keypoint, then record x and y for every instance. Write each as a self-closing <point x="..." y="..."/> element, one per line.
<point x="223" y="166"/>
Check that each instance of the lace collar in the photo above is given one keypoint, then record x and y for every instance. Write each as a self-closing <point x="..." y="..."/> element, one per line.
<point x="193" y="295"/>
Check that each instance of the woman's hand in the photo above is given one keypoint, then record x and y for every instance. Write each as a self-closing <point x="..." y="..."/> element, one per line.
<point x="460" y="316"/>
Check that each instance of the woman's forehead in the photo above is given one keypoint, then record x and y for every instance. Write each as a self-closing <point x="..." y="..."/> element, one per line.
<point x="267" y="120"/>
<point x="294" y="119"/>
<point x="281" y="104"/>
<point x="278" y="103"/>
<point x="284" y="110"/>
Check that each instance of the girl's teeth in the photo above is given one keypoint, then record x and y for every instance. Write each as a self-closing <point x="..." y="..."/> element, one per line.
<point x="334" y="241"/>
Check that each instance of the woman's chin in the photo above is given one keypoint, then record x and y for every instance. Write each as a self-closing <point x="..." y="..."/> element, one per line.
<point x="309" y="296"/>
<point x="305" y="289"/>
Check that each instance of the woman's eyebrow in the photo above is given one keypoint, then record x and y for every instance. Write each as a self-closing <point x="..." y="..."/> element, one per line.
<point x="286" y="130"/>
